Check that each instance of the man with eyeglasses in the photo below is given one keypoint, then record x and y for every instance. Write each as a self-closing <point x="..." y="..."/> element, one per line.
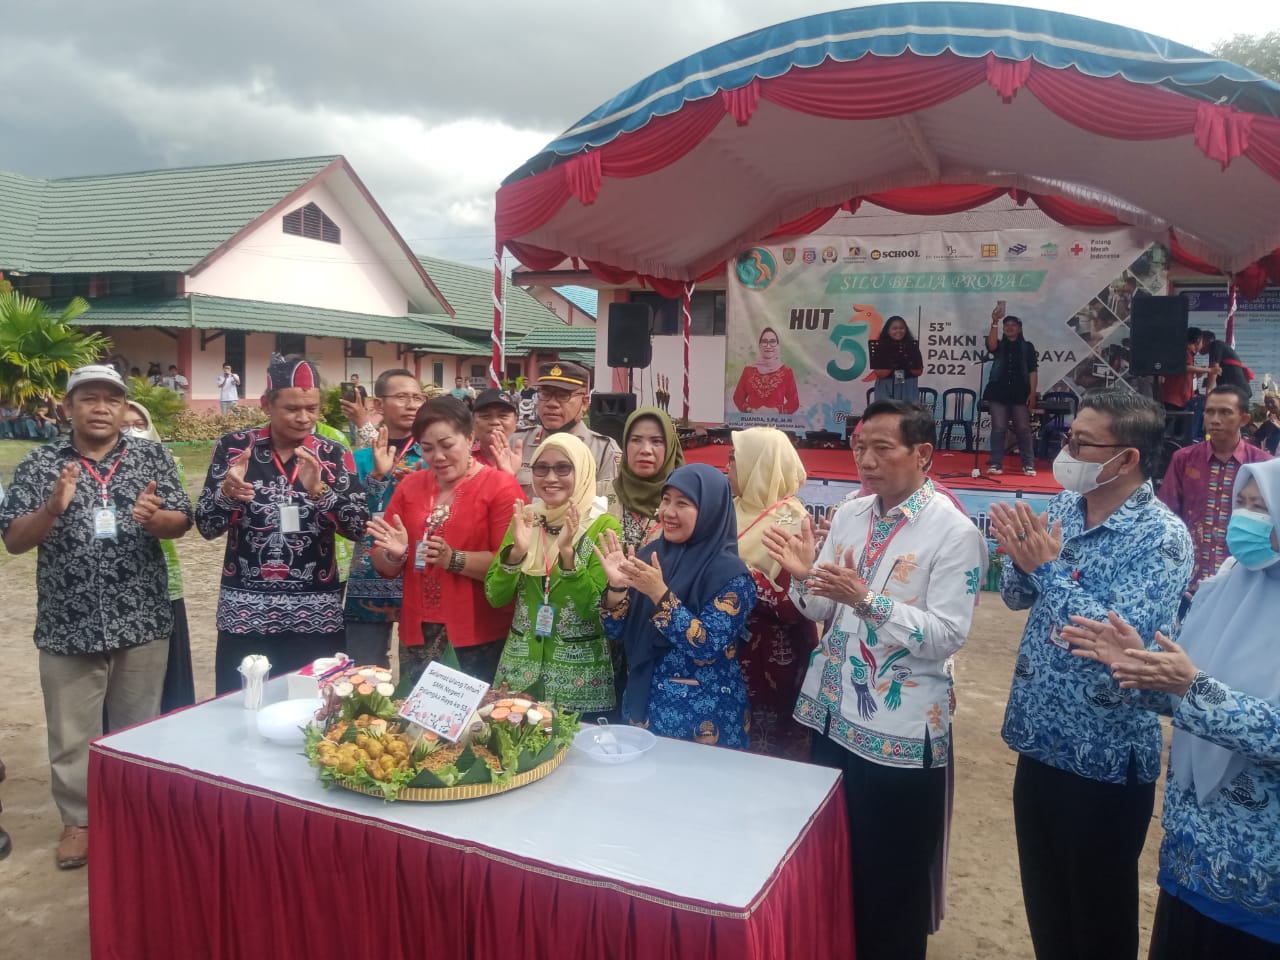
<point x="373" y="602"/>
<point x="1084" y="787"/>
<point x="562" y="400"/>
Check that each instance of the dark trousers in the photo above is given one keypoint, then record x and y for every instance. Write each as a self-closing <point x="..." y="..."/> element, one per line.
<point x="1078" y="846"/>
<point x="1001" y="414"/>
<point x="286" y="651"/>
<point x="896" y="817"/>
<point x="1181" y="932"/>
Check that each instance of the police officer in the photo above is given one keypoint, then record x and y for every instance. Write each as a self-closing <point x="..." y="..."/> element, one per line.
<point x="562" y="399"/>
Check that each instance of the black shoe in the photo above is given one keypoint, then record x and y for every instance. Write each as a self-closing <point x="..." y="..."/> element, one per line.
<point x="6" y="845"/>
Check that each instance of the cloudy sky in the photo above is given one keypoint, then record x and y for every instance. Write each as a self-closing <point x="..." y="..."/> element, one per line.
<point x="432" y="102"/>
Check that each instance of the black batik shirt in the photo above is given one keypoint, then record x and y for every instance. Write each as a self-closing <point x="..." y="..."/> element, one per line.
<point x="96" y="595"/>
<point x="275" y="582"/>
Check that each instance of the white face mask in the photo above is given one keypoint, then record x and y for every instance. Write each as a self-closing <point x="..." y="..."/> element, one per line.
<point x="1079" y="476"/>
<point x="138" y="432"/>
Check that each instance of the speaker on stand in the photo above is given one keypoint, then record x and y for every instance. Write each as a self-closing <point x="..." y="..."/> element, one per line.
<point x="629" y="337"/>
<point x="1158" y="336"/>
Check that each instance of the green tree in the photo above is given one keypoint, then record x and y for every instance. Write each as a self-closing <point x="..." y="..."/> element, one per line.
<point x="1260" y="53"/>
<point x="38" y="349"/>
<point x="162" y="403"/>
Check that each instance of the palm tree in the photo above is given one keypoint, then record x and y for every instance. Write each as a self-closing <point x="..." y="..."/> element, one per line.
<point x="38" y="349"/>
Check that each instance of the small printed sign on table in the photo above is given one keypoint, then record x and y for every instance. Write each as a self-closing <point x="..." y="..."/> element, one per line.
<point x="443" y="700"/>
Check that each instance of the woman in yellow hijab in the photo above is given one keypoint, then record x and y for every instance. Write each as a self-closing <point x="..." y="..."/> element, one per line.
<point x="766" y="475"/>
<point x="556" y="649"/>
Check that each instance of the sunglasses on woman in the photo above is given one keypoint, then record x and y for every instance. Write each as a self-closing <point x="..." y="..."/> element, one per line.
<point x="543" y="469"/>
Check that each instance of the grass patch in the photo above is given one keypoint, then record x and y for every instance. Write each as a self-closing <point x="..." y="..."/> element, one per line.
<point x="194" y="458"/>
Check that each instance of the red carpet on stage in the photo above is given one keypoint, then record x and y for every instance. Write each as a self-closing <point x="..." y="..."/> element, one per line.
<point x="839" y="465"/>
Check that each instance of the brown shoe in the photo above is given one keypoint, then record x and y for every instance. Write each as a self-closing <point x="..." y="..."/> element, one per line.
<point x="73" y="848"/>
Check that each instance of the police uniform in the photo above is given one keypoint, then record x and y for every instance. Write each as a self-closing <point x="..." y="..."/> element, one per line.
<point x="605" y="452"/>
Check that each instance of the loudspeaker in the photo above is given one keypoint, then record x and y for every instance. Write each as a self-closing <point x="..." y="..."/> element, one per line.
<point x="609" y="412"/>
<point x="1158" y="336"/>
<point x="629" y="344"/>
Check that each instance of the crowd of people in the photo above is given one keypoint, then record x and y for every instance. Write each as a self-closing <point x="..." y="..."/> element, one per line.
<point x="625" y="583"/>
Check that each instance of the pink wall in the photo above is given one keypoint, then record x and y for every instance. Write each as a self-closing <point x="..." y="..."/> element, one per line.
<point x="273" y="266"/>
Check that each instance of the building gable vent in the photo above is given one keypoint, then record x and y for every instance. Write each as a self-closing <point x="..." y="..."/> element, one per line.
<point x="312" y="222"/>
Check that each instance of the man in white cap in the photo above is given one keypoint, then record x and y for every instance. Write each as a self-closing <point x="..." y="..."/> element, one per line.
<point x="97" y="506"/>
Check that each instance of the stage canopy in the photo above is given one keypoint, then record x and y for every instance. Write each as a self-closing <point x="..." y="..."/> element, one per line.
<point x="920" y="108"/>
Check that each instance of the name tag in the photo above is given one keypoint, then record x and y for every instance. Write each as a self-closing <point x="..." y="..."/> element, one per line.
<point x="1056" y="638"/>
<point x="290" y="520"/>
<point x="104" y="523"/>
<point x="545" y="620"/>
<point x="420" y="557"/>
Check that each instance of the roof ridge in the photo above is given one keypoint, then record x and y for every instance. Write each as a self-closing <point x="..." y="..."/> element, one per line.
<point x="200" y="168"/>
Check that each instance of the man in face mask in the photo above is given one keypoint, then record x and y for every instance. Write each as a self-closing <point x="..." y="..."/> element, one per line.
<point x="1084" y="788"/>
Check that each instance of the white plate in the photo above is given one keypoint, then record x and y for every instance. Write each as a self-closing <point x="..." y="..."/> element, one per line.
<point x="628" y="744"/>
<point x="282" y="722"/>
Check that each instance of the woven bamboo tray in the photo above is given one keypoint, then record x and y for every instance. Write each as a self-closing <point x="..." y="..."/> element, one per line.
<point x="471" y="791"/>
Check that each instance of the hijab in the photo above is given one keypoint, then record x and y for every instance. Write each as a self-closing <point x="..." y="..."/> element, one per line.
<point x="583" y="497"/>
<point x="770" y="475"/>
<point x="695" y="571"/>
<point x="773" y="363"/>
<point x="152" y="434"/>
<point x="1230" y="634"/>
<point x="643" y="494"/>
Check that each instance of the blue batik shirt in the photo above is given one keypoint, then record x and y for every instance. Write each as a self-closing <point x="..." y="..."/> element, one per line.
<point x="1066" y="711"/>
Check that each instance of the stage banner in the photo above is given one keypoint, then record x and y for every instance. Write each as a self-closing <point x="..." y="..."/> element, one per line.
<point x="802" y="315"/>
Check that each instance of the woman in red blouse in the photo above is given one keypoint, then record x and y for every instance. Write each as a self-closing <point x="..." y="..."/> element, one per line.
<point x="769" y="384"/>
<point x="442" y="528"/>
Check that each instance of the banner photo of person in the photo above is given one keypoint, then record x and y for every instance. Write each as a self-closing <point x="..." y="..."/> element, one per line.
<point x="819" y="327"/>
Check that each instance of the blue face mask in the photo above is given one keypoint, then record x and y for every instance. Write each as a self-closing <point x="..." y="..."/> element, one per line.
<point x="1249" y="539"/>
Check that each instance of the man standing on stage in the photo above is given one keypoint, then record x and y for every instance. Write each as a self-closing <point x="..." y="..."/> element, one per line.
<point x="1225" y="365"/>
<point x="373" y="602"/>
<point x="1198" y="484"/>
<point x="1011" y="390"/>
<point x="562" y="400"/>
<point x="897" y="579"/>
<point x="280" y="493"/>
<point x="1084" y="787"/>
<point x="97" y="506"/>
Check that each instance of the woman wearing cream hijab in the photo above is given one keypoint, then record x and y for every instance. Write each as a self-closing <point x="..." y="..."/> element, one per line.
<point x="766" y="475"/>
<point x="556" y="649"/>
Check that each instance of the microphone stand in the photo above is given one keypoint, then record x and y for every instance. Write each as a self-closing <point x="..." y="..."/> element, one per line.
<point x="976" y="472"/>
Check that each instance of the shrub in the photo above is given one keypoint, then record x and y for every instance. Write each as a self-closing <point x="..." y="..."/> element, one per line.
<point x="161" y="402"/>
<point x="191" y="424"/>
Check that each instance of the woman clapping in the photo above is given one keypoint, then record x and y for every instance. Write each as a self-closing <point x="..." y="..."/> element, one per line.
<point x="556" y="648"/>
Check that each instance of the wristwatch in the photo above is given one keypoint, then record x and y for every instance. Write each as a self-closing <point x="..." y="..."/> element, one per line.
<point x="324" y="492"/>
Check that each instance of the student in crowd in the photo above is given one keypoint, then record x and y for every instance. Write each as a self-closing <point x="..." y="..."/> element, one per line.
<point x="547" y="562"/>
<point x="1220" y="859"/>
<point x="441" y="529"/>
<point x="679" y="606"/>
<point x="280" y="493"/>
<point x="228" y="388"/>
<point x="98" y="507"/>
<point x="1104" y="544"/>
<point x="372" y="602"/>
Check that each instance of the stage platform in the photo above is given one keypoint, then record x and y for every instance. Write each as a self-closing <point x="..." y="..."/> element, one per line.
<point x="834" y="476"/>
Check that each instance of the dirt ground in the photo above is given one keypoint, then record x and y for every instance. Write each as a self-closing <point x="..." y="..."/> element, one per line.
<point x="46" y="909"/>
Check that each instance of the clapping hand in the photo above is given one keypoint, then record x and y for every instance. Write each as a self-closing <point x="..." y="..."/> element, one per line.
<point x="1028" y="539"/>
<point x="568" y="530"/>
<point x="505" y="457"/>
<point x="234" y="485"/>
<point x="795" y="552"/>
<point x="309" y="473"/>
<point x="1105" y="641"/>
<point x="146" y="506"/>
<point x="64" y="489"/>
<point x="392" y="540"/>
<point x="1168" y="670"/>
<point x="521" y="533"/>
<point x="644" y="577"/>
<point x="384" y="457"/>
<point x="612" y="557"/>
<point x="838" y="581"/>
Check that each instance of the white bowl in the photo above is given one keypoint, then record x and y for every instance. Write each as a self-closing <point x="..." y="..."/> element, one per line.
<point x="628" y="743"/>
<point x="283" y="722"/>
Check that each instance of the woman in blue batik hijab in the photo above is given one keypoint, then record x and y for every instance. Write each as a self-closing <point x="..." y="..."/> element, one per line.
<point x="1220" y="860"/>
<point x="679" y="606"/>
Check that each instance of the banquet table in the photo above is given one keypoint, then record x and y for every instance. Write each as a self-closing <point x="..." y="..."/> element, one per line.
<point x="209" y="841"/>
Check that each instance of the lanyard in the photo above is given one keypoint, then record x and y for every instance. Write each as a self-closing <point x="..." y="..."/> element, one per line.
<point x="284" y="473"/>
<point x="546" y="581"/>
<point x="103" y="481"/>
<point x="762" y="516"/>
<point x="408" y="447"/>
<point x="869" y="560"/>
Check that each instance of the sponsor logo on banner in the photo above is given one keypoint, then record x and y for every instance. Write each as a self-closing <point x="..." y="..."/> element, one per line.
<point x="788" y="255"/>
<point x="756" y="268"/>
<point x="1100" y="249"/>
<point x="1049" y="250"/>
<point x="1076" y="249"/>
<point x="990" y="251"/>
<point x="1017" y="249"/>
<point x="809" y="255"/>
<point x="894" y="254"/>
<point x="829" y="255"/>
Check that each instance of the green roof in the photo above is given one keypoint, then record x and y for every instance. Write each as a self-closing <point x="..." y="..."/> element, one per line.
<point x="222" y="313"/>
<point x="157" y="220"/>
<point x="469" y="291"/>
<point x="584" y="298"/>
<point x="559" y="337"/>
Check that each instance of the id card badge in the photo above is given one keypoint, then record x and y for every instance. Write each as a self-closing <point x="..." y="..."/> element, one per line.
<point x="545" y="620"/>
<point x="420" y="556"/>
<point x="1057" y="639"/>
<point x="290" y="520"/>
<point x="104" y="523"/>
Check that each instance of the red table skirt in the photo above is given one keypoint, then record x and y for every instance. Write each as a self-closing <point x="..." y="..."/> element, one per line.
<point x="185" y="865"/>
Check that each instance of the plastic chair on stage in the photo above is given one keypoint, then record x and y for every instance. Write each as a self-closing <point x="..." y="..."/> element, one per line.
<point x="959" y="407"/>
<point x="1055" y="423"/>
<point x="929" y="400"/>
